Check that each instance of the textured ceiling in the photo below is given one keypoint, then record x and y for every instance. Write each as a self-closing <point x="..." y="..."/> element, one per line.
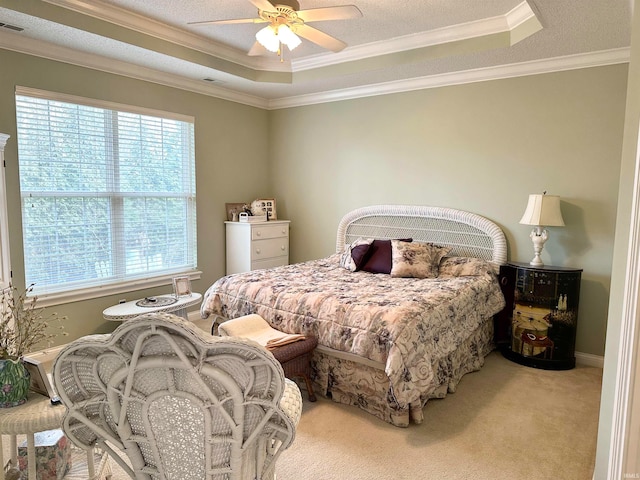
<point x="393" y="42"/>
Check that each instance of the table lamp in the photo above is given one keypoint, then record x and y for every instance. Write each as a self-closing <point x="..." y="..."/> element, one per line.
<point x="542" y="211"/>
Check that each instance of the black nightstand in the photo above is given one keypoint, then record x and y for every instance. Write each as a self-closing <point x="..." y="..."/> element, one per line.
<point x="537" y="328"/>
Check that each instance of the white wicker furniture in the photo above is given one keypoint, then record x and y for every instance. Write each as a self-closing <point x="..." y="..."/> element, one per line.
<point x="127" y="310"/>
<point x="468" y="234"/>
<point x="177" y="402"/>
<point x="36" y="415"/>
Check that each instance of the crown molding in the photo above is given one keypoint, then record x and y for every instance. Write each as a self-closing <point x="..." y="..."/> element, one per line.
<point x="38" y="48"/>
<point x="144" y="25"/>
<point x="13" y="42"/>
<point x="519" y="15"/>
<point x="141" y="24"/>
<point x="454" y="33"/>
<point x="535" y="67"/>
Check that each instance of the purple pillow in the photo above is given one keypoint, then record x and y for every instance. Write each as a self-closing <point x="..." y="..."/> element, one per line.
<point x="379" y="258"/>
<point x="359" y="254"/>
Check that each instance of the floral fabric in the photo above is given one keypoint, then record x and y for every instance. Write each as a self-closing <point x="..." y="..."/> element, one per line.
<point x="53" y="457"/>
<point x="409" y="325"/>
<point x="416" y="259"/>
<point x="462" y="266"/>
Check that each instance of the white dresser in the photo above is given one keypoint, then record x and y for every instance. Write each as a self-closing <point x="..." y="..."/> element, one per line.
<point x="251" y="246"/>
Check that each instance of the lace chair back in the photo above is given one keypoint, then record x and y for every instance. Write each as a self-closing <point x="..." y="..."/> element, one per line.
<point x="179" y="403"/>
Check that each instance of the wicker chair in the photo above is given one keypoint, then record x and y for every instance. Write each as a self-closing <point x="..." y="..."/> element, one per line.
<point x="177" y="402"/>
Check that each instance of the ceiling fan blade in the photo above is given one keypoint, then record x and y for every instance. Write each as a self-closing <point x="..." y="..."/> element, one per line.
<point x="320" y="38"/>
<point x="330" y="13"/>
<point x="257" y="50"/>
<point x="227" y="22"/>
<point x="263" y="5"/>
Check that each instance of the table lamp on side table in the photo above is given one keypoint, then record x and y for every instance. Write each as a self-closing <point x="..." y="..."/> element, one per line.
<point x="542" y="211"/>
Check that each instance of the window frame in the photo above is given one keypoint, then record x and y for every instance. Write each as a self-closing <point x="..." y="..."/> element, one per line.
<point x="143" y="281"/>
<point x="5" y="257"/>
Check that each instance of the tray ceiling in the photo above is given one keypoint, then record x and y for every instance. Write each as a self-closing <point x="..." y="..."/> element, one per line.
<point x="394" y="46"/>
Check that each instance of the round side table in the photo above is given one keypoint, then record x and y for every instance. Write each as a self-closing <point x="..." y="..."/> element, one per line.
<point x="36" y="415"/>
<point x="127" y="310"/>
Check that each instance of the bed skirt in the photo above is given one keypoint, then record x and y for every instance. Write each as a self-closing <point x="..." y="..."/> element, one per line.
<point x="366" y="386"/>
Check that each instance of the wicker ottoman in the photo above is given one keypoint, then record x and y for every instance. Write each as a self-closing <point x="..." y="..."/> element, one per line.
<point x="295" y="359"/>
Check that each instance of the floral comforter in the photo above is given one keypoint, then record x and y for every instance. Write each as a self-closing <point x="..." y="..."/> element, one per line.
<point x="407" y="324"/>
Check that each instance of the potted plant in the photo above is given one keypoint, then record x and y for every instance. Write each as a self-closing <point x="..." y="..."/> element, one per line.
<point x="22" y="326"/>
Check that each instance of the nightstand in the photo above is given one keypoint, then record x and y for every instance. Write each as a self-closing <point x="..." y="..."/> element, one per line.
<point x="252" y="246"/>
<point x="538" y="325"/>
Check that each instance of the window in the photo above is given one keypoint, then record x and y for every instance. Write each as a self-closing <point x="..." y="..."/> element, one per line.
<point x="108" y="192"/>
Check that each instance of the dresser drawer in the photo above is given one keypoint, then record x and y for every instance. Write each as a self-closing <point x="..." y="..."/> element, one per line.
<point x="259" y="232"/>
<point x="269" y="263"/>
<point x="273" y="247"/>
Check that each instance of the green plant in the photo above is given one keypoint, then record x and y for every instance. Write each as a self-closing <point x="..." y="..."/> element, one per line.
<point x="23" y="325"/>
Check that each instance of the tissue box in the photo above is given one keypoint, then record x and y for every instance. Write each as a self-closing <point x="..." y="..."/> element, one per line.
<point x="53" y="455"/>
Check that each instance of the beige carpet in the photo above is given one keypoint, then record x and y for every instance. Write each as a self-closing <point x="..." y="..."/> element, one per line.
<point x="504" y="422"/>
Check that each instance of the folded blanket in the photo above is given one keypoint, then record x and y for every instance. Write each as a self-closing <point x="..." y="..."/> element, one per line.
<point x="257" y="329"/>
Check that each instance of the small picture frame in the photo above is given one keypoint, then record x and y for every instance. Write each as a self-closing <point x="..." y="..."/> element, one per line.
<point x="40" y="382"/>
<point x="181" y="286"/>
<point x="269" y="207"/>
<point x="233" y="211"/>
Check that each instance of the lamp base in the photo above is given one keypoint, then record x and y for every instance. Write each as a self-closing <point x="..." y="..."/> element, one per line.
<point x="538" y="237"/>
<point x="536" y="262"/>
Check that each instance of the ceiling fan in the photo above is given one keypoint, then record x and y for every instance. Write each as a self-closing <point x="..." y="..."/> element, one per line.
<point x="286" y="23"/>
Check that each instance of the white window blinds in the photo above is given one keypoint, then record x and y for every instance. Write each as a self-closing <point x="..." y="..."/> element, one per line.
<point x="108" y="194"/>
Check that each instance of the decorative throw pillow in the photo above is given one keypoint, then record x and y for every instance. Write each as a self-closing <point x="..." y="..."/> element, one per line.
<point x="419" y="260"/>
<point x="379" y="258"/>
<point x="355" y="254"/>
<point x="464" y="266"/>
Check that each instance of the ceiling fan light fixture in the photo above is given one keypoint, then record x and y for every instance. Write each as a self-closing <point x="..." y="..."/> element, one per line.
<point x="268" y="38"/>
<point x="286" y="36"/>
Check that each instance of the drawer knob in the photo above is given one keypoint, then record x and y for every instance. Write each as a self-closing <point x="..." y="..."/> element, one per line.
<point x="258" y="233"/>
<point x="284" y="231"/>
<point x="258" y="251"/>
<point x="282" y="248"/>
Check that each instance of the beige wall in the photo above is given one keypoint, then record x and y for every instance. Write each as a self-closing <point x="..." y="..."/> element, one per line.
<point x="481" y="147"/>
<point x="231" y="162"/>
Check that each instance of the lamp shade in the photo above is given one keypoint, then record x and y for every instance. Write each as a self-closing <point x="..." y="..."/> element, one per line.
<point x="543" y="210"/>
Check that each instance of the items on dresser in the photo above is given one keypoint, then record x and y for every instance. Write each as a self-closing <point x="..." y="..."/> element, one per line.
<point x="540" y="319"/>
<point x="252" y="246"/>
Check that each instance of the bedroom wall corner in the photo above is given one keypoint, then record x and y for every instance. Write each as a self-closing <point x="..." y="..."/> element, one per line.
<point x="481" y="147"/>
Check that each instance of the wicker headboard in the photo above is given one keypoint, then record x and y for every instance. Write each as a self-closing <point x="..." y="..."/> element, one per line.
<point x="469" y="235"/>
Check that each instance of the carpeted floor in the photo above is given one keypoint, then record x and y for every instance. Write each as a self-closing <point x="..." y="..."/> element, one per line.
<point x="504" y="422"/>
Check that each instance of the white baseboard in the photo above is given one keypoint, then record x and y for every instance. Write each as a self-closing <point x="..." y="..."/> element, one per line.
<point x="589" y="360"/>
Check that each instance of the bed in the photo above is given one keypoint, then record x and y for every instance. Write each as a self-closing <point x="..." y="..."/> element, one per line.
<point x="387" y="342"/>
